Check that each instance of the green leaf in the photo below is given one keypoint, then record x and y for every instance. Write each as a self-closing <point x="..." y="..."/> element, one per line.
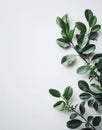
<point x="88" y="14"/>
<point x="83" y="69"/>
<point x="82" y="40"/>
<point x="75" y="123"/>
<point x="93" y="21"/>
<point x="83" y="86"/>
<point x="93" y="35"/>
<point x="97" y="56"/>
<point x="63" y="34"/>
<point x="95" y="105"/>
<point x="90" y="118"/>
<point x="61" y="24"/>
<point x="95" y="28"/>
<point x="65" y="18"/>
<point x="84" y="96"/>
<point x="89" y="49"/>
<point x="68" y="59"/>
<point x="54" y="92"/>
<point x="87" y="129"/>
<point x="60" y="105"/>
<point x="68" y="92"/>
<point x="70" y="34"/>
<point x="72" y="116"/>
<point x="81" y="26"/>
<point x="99" y="65"/>
<point x="96" y="88"/>
<point x="63" y="43"/>
<point x="82" y="108"/>
<point x="96" y="121"/>
<point x="91" y="102"/>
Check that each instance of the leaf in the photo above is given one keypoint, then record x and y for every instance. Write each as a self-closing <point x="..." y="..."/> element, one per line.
<point x="65" y="18"/>
<point x="61" y="24"/>
<point x="58" y="103"/>
<point x="63" y="43"/>
<point x="63" y="34"/>
<point x="96" y="88"/>
<point x="91" y="102"/>
<point x="87" y="129"/>
<point x="95" y="105"/>
<point x="81" y="26"/>
<point x="83" y="69"/>
<point x="99" y="65"/>
<point x="72" y="116"/>
<point x="97" y="56"/>
<point x="70" y="34"/>
<point x="84" y="96"/>
<point x="68" y="59"/>
<point x="54" y="92"/>
<point x="95" y="28"/>
<point x="93" y="35"/>
<point x="74" y="123"/>
<point x="68" y="92"/>
<point x="90" y="118"/>
<point x="83" y="86"/>
<point x="89" y="49"/>
<point x="96" y="121"/>
<point x="93" y="21"/>
<point x="88" y="14"/>
<point x="82" y="108"/>
<point x="82" y="40"/>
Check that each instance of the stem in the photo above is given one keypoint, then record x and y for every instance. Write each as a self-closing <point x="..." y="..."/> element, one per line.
<point x="84" y="119"/>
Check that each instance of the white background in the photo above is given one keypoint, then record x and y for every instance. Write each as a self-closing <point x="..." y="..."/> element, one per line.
<point x="30" y="61"/>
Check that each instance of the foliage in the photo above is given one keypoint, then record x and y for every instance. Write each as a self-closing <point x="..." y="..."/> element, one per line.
<point x="91" y="90"/>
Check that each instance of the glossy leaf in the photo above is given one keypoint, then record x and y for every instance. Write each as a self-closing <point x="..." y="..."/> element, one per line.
<point x="81" y="26"/>
<point x="83" y="86"/>
<point x="72" y="116"/>
<point x="85" y="96"/>
<point x="83" y="69"/>
<point x="70" y="34"/>
<point x="65" y="18"/>
<point x="90" y="118"/>
<point x="54" y="92"/>
<point x="96" y="88"/>
<point x="97" y="56"/>
<point x="89" y="49"/>
<point x="61" y="24"/>
<point x="91" y="102"/>
<point x="68" y="59"/>
<point x="88" y="14"/>
<point x="93" y="36"/>
<point x="99" y="65"/>
<point x="96" y="121"/>
<point x="58" y="103"/>
<point x="95" y="105"/>
<point x="75" y="123"/>
<point x="82" y="108"/>
<point x="95" y="28"/>
<point x="63" y="43"/>
<point x="93" y="21"/>
<point x="68" y="92"/>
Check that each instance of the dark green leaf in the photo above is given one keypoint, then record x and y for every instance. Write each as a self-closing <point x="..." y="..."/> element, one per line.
<point x="82" y="108"/>
<point x="82" y="40"/>
<point x="88" y="14"/>
<point x="95" y="105"/>
<point x="63" y="43"/>
<point x="84" y="96"/>
<point x="96" y="121"/>
<point x="87" y="129"/>
<point x="54" y="92"/>
<point x="61" y="24"/>
<point x="72" y="124"/>
<point x="96" y="88"/>
<point x="97" y="56"/>
<point x="90" y="118"/>
<point x="63" y="34"/>
<point x="95" y="28"/>
<point x="99" y="65"/>
<point x="70" y="34"/>
<point x="93" y="21"/>
<point x="68" y="92"/>
<point x="58" y="103"/>
<point x="72" y="116"/>
<point x="81" y="26"/>
<point x="83" y="69"/>
<point x="91" y="102"/>
<point x="93" y="35"/>
<point x="68" y="59"/>
<point x="83" y="86"/>
<point x="89" y="49"/>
